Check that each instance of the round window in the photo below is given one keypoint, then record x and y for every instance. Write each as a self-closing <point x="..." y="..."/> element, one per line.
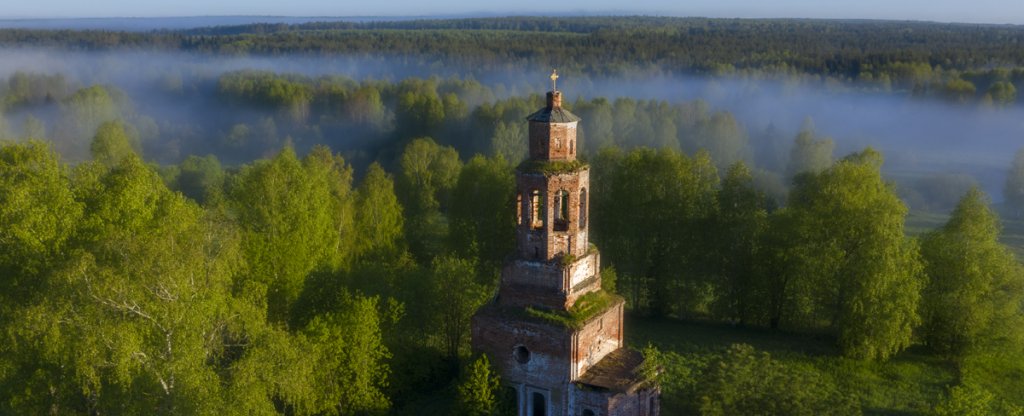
<point x="521" y="354"/>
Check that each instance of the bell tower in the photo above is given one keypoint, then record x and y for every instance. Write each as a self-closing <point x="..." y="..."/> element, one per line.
<point x="554" y="334"/>
<point x="552" y="205"/>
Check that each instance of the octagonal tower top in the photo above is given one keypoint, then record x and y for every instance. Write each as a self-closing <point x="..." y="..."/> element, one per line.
<point x="553" y="128"/>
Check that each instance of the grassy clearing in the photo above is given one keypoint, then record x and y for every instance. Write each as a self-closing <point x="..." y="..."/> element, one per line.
<point x="909" y="384"/>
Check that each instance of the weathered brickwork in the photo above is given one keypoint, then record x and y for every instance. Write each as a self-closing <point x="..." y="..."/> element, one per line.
<point x="554" y="141"/>
<point x="600" y="336"/>
<point x="553" y="132"/>
<point x="546" y="229"/>
<point x="558" y="362"/>
<point x="641" y="402"/>
<point x="549" y="284"/>
<point x="548" y="345"/>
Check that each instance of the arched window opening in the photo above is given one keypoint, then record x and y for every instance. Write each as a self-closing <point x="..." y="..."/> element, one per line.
<point x="540" y="405"/>
<point x="588" y="412"/>
<point x="583" y="208"/>
<point x="562" y="211"/>
<point x="519" y="208"/>
<point x="536" y="210"/>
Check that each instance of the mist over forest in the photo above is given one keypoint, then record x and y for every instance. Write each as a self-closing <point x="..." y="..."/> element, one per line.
<point x="294" y="217"/>
<point x="178" y="91"/>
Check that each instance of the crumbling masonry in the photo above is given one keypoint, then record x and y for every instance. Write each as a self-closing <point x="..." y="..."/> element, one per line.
<point x="554" y="335"/>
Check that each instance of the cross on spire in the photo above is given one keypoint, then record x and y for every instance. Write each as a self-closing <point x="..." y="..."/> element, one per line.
<point x="554" y="79"/>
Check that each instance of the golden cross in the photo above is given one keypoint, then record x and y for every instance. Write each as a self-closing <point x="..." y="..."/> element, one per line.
<point x="554" y="79"/>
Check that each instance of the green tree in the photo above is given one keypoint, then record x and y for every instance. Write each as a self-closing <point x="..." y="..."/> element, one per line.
<point x="477" y="392"/>
<point x="38" y="212"/>
<point x="429" y="173"/>
<point x="139" y="312"/>
<point x="275" y="371"/>
<point x="809" y="154"/>
<point x="787" y="271"/>
<point x="624" y="115"/>
<point x="132" y="319"/>
<point x="666" y="135"/>
<point x="744" y="381"/>
<point x="288" y="226"/>
<point x="510" y="142"/>
<point x="201" y="179"/>
<point x="379" y="219"/>
<point x="482" y="215"/>
<point x="1002" y="93"/>
<point x="742" y="218"/>
<point x="352" y="371"/>
<point x="365" y="106"/>
<point x="112" y="143"/>
<point x="420" y="111"/>
<point x="868" y="275"/>
<point x="81" y="114"/>
<point x="959" y="90"/>
<point x="971" y="400"/>
<point x="724" y="138"/>
<point x="976" y="286"/>
<point x="455" y="296"/>
<point x="329" y="171"/>
<point x="39" y="218"/>
<point x="652" y="212"/>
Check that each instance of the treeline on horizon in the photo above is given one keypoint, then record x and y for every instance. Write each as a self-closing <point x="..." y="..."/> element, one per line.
<point x="879" y="54"/>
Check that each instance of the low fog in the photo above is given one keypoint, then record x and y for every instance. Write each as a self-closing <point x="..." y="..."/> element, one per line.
<point x="919" y="136"/>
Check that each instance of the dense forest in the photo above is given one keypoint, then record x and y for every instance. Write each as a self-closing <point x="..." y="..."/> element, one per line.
<point x="260" y="242"/>
<point x="959" y="61"/>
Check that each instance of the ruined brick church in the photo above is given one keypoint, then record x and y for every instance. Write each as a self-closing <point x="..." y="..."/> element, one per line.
<point x="553" y="334"/>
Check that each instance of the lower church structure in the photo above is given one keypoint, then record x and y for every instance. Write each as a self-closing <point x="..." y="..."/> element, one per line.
<point x="554" y="335"/>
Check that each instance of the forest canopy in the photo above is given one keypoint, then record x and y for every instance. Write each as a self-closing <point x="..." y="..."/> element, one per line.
<point x="897" y="52"/>
<point x="267" y="242"/>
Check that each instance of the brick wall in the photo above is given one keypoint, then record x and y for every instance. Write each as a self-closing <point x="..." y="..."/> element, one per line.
<point x="548" y="243"/>
<point x="553" y="141"/>
<point x="601" y="335"/>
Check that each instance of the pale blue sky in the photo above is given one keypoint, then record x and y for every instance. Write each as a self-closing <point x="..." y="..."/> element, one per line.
<point x="983" y="11"/>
